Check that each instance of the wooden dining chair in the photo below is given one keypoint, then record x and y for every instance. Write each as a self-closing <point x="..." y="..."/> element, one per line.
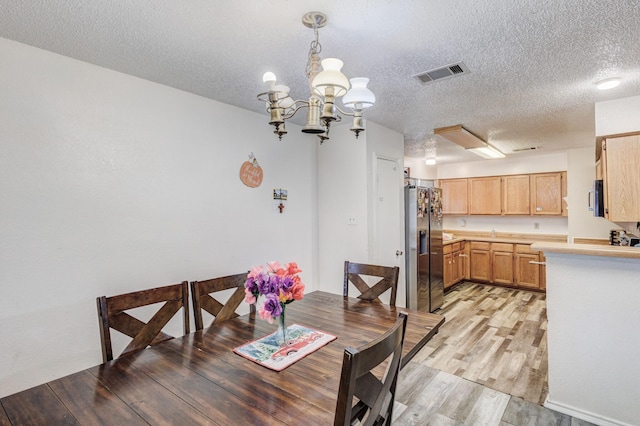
<point x="201" y="292"/>
<point x="354" y="273"/>
<point x="373" y="396"/>
<point x="111" y="314"/>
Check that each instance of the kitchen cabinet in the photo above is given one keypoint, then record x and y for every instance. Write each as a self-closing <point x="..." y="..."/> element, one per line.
<point x="528" y="267"/>
<point x="516" y="198"/>
<point x="503" y="267"/>
<point x="454" y="264"/>
<point x="621" y="178"/>
<point x="454" y="196"/>
<point x="546" y="193"/>
<point x="448" y="270"/>
<point x="513" y="265"/>
<point x="485" y="195"/>
<point x="527" y="194"/>
<point x="480" y="261"/>
<point x="461" y="262"/>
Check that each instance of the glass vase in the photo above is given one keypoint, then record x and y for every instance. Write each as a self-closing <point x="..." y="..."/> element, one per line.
<point x="281" y="334"/>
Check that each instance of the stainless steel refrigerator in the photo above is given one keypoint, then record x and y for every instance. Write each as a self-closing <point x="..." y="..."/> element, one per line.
<point x="423" y="239"/>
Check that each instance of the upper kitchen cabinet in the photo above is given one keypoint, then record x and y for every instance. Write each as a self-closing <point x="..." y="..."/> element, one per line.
<point x="454" y="196"/>
<point x="516" y="198"/>
<point x="621" y="178"/>
<point x="485" y="196"/>
<point x="546" y="193"/>
<point x="528" y="194"/>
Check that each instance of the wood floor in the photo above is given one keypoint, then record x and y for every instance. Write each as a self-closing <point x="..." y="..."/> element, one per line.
<point x="487" y="365"/>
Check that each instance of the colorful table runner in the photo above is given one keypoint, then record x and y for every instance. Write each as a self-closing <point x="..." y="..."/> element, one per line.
<point x="302" y="341"/>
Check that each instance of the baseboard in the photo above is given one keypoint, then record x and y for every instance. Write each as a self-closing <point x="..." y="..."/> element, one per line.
<point x="583" y="415"/>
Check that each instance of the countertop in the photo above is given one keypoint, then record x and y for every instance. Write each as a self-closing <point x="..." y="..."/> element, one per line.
<point x="588" y="249"/>
<point x="459" y="236"/>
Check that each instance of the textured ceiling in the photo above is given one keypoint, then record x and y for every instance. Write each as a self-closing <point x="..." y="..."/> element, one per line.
<point x="533" y="63"/>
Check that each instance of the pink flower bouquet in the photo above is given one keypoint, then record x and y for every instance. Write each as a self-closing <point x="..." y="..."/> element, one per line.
<point x="280" y="285"/>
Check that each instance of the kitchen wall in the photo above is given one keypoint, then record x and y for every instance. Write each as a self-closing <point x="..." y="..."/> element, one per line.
<point x="419" y="170"/>
<point x="110" y="184"/>
<point x="617" y="116"/>
<point x="581" y="172"/>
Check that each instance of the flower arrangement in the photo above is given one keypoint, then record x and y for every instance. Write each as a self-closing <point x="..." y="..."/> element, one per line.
<point x="280" y="285"/>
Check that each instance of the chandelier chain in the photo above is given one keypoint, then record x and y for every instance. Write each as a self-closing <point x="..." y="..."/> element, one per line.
<point x="313" y="58"/>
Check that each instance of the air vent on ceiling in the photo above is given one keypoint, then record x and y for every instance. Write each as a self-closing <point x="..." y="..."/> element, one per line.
<point x="530" y="148"/>
<point x="441" y="73"/>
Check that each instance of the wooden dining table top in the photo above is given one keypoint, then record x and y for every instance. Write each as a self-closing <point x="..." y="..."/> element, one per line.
<point x="198" y="379"/>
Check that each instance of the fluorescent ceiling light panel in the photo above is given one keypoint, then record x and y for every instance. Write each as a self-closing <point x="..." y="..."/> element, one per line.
<point x="487" y="152"/>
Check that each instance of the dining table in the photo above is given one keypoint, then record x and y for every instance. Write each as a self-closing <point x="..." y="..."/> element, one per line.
<point x="199" y="379"/>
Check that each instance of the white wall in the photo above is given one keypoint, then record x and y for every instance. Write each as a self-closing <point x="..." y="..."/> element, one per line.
<point x="582" y="172"/>
<point x="618" y="116"/>
<point x="511" y="165"/>
<point x="342" y="192"/>
<point x="419" y="170"/>
<point x="346" y="189"/>
<point x="110" y="184"/>
<point x="592" y="307"/>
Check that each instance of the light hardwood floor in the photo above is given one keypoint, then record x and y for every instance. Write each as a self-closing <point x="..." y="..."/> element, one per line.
<point x="487" y="365"/>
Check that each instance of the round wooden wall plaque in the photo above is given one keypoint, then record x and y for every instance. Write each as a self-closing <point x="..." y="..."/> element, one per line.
<point x="251" y="174"/>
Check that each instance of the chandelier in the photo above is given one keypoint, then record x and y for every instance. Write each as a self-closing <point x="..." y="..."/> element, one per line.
<point x="325" y="86"/>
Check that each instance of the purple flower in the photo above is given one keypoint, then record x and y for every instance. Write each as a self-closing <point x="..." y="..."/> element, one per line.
<point x="264" y="286"/>
<point x="272" y="305"/>
<point x="251" y="285"/>
<point x="287" y="283"/>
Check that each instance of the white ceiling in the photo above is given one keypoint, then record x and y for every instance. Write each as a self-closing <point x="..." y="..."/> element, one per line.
<point x="533" y="63"/>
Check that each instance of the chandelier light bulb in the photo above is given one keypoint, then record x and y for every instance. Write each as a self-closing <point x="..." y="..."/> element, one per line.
<point x="268" y="77"/>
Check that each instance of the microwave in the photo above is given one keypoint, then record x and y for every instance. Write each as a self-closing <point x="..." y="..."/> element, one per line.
<point x="596" y="198"/>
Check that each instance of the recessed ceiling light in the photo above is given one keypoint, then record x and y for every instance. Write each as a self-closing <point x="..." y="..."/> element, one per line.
<point x="608" y="83"/>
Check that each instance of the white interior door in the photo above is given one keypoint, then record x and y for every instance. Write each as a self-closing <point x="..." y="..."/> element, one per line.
<point x="389" y="220"/>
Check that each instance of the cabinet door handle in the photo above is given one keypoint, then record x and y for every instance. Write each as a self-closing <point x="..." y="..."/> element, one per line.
<point x="463" y="255"/>
<point x="533" y="262"/>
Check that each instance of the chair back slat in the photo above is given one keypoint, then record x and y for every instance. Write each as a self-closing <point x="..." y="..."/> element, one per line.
<point x="373" y="396"/>
<point x="202" y="296"/>
<point x="112" y="315"/>
<point x="354" y="273"/>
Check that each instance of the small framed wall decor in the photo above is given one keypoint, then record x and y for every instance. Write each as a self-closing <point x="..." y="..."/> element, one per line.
<point x="279" y="199"/>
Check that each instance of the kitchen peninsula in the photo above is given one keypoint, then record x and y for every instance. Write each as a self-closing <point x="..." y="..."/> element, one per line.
<point x="593" y="321"/>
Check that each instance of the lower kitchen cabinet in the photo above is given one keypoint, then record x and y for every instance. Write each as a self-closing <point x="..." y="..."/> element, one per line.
<point x="461" y="263"/>
<point x="448" y="270"/>
<point x="502" y="257"/>
<point x="513" y="265"/>
<point x="528" y="267"/>
<point x="480" y="261"/>
<point x="454" y="264"/>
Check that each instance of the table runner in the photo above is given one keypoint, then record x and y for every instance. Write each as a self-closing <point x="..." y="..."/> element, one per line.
<point x="301" y="342"/>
